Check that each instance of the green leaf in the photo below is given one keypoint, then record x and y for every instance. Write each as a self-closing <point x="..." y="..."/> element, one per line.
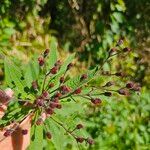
<point x="76" y="82"/>
<point x="14" y="75"/>
<point x="52" y="57"/>
<point x="31" y="72"/>
<point x="36" y="138"/>
<point x="58" y="137"/>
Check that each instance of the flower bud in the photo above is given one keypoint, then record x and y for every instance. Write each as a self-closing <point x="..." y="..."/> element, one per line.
<point x="123" y="91"/>
<point x="7" y="133"/>
<point x="24" y="131"/>
<point x="126" y="49"/>
<point x="129" y="85"/>
<point x="90" y="141"/>
<point x="49" y="111"/>
<point x="77" y="91"/>
<point x="4" y="97"/>
<point x="48" y="135"/>
<point x="69" y="66"/>
<point x="96" y="101"/>
<point x="79" y="126"/>
<point x="83" y="77"/>
<point x="108" y="94"/>
<point x="41" y="61"/>
<point x="54" y="70"/>
<point x="62" y="79"/>
<point x="39" y="121"/>
<point x="46" y="52"/>
<point x="35" y="85"/>
<point x="51" y="85"/>
<point x="80" y="139"/>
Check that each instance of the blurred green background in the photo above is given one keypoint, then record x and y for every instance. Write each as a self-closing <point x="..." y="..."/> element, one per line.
<point x="90" y="28"/>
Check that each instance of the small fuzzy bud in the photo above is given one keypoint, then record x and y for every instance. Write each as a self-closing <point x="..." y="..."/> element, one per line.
<point x="35" y="85"/>
<point x="7" y="133"/>
<point x="119" y="74"/>
<point x="41" y="61"/>
<point x="46" y="52"/>
<point x="51" y="85"/>
<point x="129" y="85"/>
<point x="69" y="66"/>
<point x="126" y="49"/>
<point x="79" y="126"/>
<point x="48" y="135"/>
<point x="40" y="102"/>
<point x="77" y="91"/>
<point x="108" y="94"/>
<point x="45" y="94"/>
<point x="83" y="77"/>
<point x="49" y="111"/>
<point x="80" y="139"/>
<point x="96" y="101"/>
<point x="108" y="84"/>
<point x="120" y="42"/>
<point x="54" y="70"/>
<point x="39" y="121"/>
<point x="62" y="79"/>
<point x="123" y="91"/>
<point x="90" y="141"/>
<point x="24" y="131"/>
<point x="4" y="97"/>
<point x="58" y="63"/>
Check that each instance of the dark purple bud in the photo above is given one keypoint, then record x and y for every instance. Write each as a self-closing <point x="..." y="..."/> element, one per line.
<point x="96" y="101"/>
<point x="79" y="126"/>
<point x="24" y="131"/>
<point x="108" y="94"/>
<point x="40" y="102"/>
<point x="45" y="94"/>
<point x="77" y="91"/>
<point x="126" y="49"/>
<point x="4" y="97"/>
<point x="41" y="61"/>
<point x="35" y="85"/>
<point x="48" y="135"/>
<point x="119" y="74"/>
<point x="69" y="66"/>
<point x="80" y="139"/>
<point x="123" y="91"/>
<point x="7" y="133"/>
<point x="90" y="141"/>
<point x="49" y="111"/>
<point x="39" y="121"/>
<point x="54" y="70"/>
<point x="62" y="79"/>
<point x="83" y="77"/>
<point x="108" y="84"/>
<point x="129" y="85"/>
<point x="51" y="85"/>
<point x="46" y="52"/>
